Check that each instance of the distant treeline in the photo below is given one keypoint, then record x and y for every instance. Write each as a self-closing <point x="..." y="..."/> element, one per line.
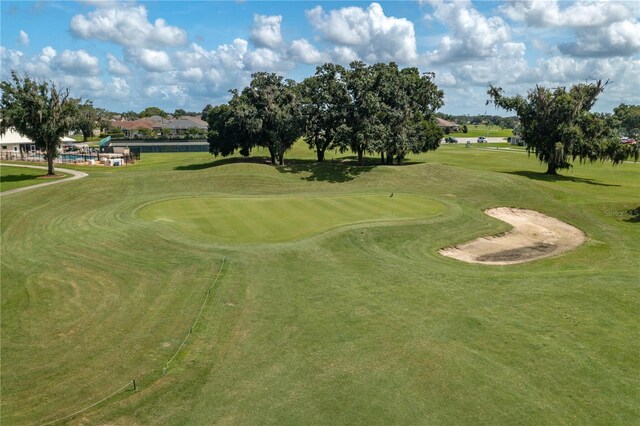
<point x="494" y="120"/>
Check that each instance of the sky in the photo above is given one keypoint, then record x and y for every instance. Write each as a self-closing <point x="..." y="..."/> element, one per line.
<point x="128" y="55"/>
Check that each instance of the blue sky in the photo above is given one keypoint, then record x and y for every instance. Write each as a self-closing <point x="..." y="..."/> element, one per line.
<point x="130" y="55"/>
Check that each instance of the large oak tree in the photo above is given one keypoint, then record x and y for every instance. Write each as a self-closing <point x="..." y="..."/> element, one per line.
<point x="39" y="110"/>
<point x="559" y="128"/>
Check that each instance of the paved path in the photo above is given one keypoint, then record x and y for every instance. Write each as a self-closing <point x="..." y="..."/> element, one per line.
<point x="74" y="175"/>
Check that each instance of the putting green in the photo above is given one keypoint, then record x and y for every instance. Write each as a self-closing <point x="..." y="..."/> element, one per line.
<point x="278" y="219"/>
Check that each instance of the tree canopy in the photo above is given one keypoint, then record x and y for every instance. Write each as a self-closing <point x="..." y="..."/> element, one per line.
<point x="151" y="111"/>
<point x="559" y="128"/>
<point x="39" y="110"/>
<point x="267" y="113"/>
<point x="89" y="118"/>
<point x="627" y="119"/>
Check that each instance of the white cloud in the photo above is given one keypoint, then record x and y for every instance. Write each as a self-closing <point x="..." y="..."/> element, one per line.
<point x="76" y="63"/>
<point x="620" y="39"/>
<point x="369" y="32"/>
<point x="127" y="26"/>
<point x="265" y="60"/>
<point x="344" y="55"/>
<point x="473" y="35"/>
<point x="116" y="67"/>
<point x="266" y="31"/>
<point x="151" y="60"/>
<point x="581" y="14"/>
<point x="303" y="51"/>
<point x="23" y="38"/>
<point x="602" y="29"/>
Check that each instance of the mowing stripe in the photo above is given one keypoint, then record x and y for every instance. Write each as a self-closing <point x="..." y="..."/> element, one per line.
<point x="166" y="367"/>
<point x="86" y="408"/>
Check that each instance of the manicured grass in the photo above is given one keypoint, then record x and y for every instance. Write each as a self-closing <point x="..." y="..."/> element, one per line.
<point x="276" y="219"/>
<point x="17" y="177"/>
<point x="476" y="130"/>
<point x="363" y="324"/>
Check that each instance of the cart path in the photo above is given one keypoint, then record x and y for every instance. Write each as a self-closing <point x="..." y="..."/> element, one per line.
<point x="74" y="175"/>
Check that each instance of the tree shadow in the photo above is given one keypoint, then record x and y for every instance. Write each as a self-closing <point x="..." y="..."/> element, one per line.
<point x="18" y="178"/>
<point x="224" y="162"/>
<point x="557" y="178"/>
<point x="343" y="170"/>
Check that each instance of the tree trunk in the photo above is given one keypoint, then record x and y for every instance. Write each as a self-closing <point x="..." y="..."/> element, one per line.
<point x="551" y="169"/>
<point x="381" y="157"/>
<point x="273" y="155"/>
<point x="360" y="156"/>
<point x="84" y="137"/>
<point x="50" y="155"/>
<point x="389" y="158"/>
<point x="320" y="153"/>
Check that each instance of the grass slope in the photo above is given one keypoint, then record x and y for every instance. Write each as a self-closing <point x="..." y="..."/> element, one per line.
<point x="363" y="323"/>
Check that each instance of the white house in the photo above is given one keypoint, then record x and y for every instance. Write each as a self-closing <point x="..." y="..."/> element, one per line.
<point x="12" y="144"/>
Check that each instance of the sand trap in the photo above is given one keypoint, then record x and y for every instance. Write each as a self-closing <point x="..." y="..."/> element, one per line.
<point x="534" y="236"/>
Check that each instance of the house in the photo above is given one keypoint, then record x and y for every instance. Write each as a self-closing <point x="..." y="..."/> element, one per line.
<point x="447" y="126"/>
<point x="13" y="145"/>
<point x="165" y="126"/>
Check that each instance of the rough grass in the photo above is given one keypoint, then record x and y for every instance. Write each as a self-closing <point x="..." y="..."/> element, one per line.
<point x="364" y="323"/>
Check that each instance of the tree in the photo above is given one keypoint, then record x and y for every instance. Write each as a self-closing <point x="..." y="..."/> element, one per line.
<point x="205" y="112"/>
<point x="39" y="110"/>
<point x="151" y="111"/>
<point x="628" y="119"/>
<point x="325" y="99"/>
<point x="391" y="111"/>
<point x="362" y="126"/>
<point x="558" y="127"/>
<point x="130" y="115"/>
<point x="179" y="113"/>
<point x="269" y="111"/>
<point x="89" y="118"/>
<point x="465" y="129"/>
<point x="226" y="134"/>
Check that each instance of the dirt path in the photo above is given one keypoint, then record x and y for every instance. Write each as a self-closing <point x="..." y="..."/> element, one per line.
<point x="534" y="236"/>
<point x="74" y="175"/>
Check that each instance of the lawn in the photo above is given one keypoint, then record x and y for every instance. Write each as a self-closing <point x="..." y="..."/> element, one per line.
<point x="476" y="130"/>
<point x="330" y="309"/>
<point x="17" y="177"/>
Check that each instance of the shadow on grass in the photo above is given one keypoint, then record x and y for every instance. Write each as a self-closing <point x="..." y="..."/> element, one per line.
<point x="18" y="178"/>
<point x="225" y="161"/>
<point x="557" y="178"/>
<point x="328" y="171"/>
<point x="334" y="171"/>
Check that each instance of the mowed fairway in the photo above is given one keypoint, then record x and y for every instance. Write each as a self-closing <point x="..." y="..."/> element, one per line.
<point x="276" y="219"/>
<point x="333" y="306"/>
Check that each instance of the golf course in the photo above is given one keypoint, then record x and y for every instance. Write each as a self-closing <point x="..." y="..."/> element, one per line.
<point x="319" y="293"/>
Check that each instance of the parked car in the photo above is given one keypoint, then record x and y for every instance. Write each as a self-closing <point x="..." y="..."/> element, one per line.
<point x="451" y="139"/>
<point x="482" y="139"/>
<point x="628" y="141"/>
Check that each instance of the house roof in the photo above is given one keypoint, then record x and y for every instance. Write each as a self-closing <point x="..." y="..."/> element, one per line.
<point x="182" y="123"/>
<point x="134" y="125"/>
<point x="14" y="137"/>
<point x="445" y="123"/>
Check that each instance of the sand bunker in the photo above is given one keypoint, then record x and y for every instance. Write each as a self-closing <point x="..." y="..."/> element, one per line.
<point x="534" y="236"/>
